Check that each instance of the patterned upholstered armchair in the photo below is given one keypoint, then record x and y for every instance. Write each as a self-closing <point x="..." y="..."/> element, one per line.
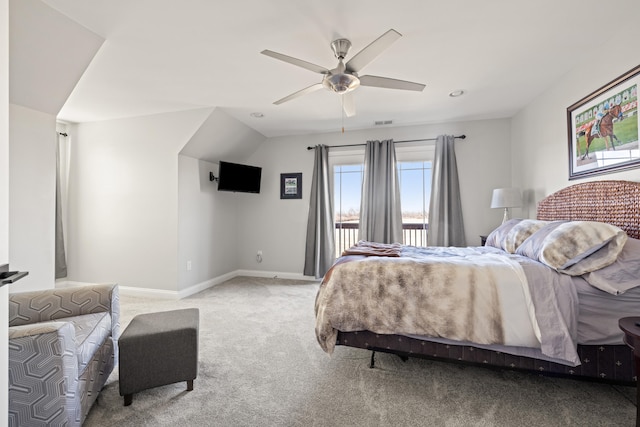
<point x="62" y="349"/>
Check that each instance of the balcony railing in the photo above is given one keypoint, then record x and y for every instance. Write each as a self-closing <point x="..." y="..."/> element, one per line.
<point x="347" y="235"/>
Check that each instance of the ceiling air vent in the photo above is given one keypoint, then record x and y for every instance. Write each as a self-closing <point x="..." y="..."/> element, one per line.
<point x="383" y="122"/>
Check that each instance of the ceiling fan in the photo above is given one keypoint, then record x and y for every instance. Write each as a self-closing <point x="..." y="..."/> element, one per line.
<point x="344" y="78"/>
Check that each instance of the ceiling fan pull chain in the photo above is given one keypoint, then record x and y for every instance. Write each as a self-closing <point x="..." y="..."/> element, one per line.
<point x="342" y="97"/>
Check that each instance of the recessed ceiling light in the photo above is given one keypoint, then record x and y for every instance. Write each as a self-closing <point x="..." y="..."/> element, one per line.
<point x="257" y="115"/>
<point x="456" y="93"/>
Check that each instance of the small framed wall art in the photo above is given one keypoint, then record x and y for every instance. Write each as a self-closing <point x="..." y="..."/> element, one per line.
<point x="291" y="185"/>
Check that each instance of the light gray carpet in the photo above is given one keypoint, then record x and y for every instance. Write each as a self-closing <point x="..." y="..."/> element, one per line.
<point x="260" y="365"/>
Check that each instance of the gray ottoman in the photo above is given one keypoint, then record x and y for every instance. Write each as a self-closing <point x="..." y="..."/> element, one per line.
<point x="158" y="349"/>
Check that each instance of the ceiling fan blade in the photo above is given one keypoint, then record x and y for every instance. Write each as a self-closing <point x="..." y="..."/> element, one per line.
<point x="295" y="61"/>
<point x="299" y="93"/>
<point x="371" y="52"/>
<point x="388" y="83"/>
<point x="348" y="104"/>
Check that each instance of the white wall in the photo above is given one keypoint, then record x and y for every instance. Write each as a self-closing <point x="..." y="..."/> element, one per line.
<point x="4" y="204"/>
<point x="539" y="131"/>
<point x="222" y="137"/>
<point x="49" y="53"/>
<point x="32" y="197"/>
<point x="278" y="227"/>
<point x="123" y="199"/>
<point x="207" y="224"/>
<point x="4" y="132"/>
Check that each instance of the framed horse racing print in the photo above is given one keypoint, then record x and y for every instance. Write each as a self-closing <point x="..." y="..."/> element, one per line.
<point x="603" y="128"/>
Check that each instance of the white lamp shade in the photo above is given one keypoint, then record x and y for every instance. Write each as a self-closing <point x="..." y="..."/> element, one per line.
<point x="506" y="198"/>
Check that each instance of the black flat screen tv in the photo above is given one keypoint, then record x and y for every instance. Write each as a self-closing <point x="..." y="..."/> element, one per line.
<point x="239" y="178"/>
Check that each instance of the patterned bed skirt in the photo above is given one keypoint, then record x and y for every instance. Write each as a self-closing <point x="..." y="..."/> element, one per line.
<point x="603" y="363"/>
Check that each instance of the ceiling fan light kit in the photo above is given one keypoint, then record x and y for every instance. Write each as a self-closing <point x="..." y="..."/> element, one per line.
<point x="344" y="78"/>
<point x="341" y="83"/>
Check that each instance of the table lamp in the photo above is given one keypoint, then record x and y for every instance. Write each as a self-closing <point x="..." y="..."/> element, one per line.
<point x="506" y="198"/>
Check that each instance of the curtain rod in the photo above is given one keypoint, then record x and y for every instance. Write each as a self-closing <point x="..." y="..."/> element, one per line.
<point x="395" y="142"/>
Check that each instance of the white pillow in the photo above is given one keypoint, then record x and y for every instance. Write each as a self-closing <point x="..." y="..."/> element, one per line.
<point x="521" y="232"/>
<point x="575" y="247"/>
<point x="497" y="236"/>
<point x="512" y="233"/>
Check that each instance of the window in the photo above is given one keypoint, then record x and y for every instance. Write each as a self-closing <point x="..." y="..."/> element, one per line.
<point x="347" y="194"/>
<point x="415" y="194"/>
<point x="414" y="171"/>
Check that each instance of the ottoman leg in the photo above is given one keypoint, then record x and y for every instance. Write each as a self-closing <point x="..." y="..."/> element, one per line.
<point x="189" y="385"/>
<point x="128" y="398"/>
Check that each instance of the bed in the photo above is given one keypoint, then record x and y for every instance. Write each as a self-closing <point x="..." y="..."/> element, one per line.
<point x="583" y="341"/>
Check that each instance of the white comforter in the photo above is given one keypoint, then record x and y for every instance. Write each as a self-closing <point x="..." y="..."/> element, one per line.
<point x="480" y="295"/>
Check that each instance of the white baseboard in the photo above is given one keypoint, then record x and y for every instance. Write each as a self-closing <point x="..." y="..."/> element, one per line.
<point x="275" y="275"/>
<point x="73" y="284"/>
<point x="125" y="290"/>
<point x="194" y="289"/>
<point x="199" y="287"/>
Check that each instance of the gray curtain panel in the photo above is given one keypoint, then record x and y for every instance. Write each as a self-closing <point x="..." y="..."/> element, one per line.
<point x="321" y="248"/>
<point x="446" y="227"/>
<point x="380" y="211"/>
<point x="60" y="256"/>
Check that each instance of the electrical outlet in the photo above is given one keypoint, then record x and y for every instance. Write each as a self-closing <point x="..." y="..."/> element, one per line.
<point x="259" y="256"/>
<point x="188" y="265"/>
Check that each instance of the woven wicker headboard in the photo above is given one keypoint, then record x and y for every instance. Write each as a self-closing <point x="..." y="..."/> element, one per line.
<point x="613" y="202"/>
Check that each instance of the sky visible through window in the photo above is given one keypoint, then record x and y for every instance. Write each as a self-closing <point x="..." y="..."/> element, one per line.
<point x="415" y="191"/>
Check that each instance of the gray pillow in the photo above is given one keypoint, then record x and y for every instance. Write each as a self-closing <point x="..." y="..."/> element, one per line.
<point x="623" y="274"/>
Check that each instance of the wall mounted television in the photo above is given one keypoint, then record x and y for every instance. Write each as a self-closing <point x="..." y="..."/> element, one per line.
<point x="239" y="178"/>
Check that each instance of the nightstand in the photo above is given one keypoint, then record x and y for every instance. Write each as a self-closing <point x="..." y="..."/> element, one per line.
<point x="631" y="328"/>
<point x="483" y="240"/>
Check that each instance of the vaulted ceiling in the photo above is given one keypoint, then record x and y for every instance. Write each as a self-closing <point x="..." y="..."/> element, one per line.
<point x="161" y="56"/>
